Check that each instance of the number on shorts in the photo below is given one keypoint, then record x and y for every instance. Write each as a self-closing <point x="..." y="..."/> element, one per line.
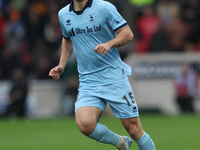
<point x="131" y="97"/>
<point x="126" y="99"/>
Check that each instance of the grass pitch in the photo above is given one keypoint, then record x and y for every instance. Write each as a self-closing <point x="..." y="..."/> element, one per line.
<point x="168" y="133"/>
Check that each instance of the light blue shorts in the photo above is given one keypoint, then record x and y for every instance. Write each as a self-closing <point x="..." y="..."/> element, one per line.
<point x="118" y="95"/>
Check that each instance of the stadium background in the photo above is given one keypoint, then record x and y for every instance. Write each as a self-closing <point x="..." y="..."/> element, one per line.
<point x="167" y="33"/>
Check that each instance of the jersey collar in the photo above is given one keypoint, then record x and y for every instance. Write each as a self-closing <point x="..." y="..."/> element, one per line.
<point x="88" y="4"/>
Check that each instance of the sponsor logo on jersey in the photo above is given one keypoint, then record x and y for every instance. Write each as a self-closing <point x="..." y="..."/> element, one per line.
<point x="71" y="32"/>
<point x="87" y="29"/>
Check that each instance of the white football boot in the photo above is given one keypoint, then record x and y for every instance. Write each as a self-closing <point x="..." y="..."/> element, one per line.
<point x="125" y="143"/>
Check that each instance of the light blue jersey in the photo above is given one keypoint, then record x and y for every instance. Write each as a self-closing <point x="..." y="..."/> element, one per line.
<point x="97" y="23"/>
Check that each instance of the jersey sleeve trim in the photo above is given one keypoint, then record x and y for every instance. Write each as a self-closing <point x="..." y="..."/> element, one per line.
<point x="120" y="27"/>
<point x="66" y="37"/>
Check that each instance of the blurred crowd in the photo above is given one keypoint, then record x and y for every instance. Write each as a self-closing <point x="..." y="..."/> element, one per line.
<point x="30" y="36"/>
<point x="30" y="33"/>
<point x="164" y="25"/>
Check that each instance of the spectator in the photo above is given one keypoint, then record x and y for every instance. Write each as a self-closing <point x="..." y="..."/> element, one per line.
<point x="186" y="88"/>
<point x="8" y="61"/>
<point x="160" y="40"/>
<point x="167" y="10"/>
<point x="177" y="31"/>
<point x="191" y="15"/>
<point x="14" y="30"/>
<point x="18" y="94"/>
<point x="41" y="60"/>
<point x="34" y="24"/>
<point x="146" y="26"/>
<point x="52" y="32"/>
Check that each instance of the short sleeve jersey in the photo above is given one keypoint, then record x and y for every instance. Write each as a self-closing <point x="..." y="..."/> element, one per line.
<point x="97" y="23"/>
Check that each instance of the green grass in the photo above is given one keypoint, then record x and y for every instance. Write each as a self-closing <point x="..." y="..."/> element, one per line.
<point x="168" y="133"/>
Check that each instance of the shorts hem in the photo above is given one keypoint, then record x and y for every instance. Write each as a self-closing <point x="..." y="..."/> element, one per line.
<point x="88" y="106"/>
<point x="127" y="117"/>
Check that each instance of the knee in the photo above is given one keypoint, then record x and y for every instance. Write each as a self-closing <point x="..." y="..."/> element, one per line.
<point x="86" y="126"/>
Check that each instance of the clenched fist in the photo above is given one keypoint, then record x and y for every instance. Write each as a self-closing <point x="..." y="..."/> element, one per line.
<point x="102" y="48"/>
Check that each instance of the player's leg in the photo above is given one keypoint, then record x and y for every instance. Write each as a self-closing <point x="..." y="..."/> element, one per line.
<point x="86" y="119"/>
<point x="123" y="103"/>
<point x="134" y="128"/>
<point x="88" y="110"/>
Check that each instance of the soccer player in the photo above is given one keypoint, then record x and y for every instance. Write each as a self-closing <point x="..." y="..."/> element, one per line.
<point x="94" y="29"/>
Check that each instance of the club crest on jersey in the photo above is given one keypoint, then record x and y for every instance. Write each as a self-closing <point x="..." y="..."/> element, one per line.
<point x="92" y="17"/>
<point x="68" y="22"/>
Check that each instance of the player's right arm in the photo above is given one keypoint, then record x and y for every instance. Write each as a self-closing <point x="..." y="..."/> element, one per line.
<point x="66" y="52"/>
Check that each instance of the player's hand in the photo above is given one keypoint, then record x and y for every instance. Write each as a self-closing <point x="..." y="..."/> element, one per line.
<point x="56" y="72"/>
<point x="102" y="48"/>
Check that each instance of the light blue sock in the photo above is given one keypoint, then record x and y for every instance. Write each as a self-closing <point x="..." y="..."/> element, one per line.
<point x="145" y="143"/>
<point x="104" y="135"/>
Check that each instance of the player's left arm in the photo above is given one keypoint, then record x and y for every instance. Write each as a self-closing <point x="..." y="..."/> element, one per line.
<point x="124" y="36"/>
